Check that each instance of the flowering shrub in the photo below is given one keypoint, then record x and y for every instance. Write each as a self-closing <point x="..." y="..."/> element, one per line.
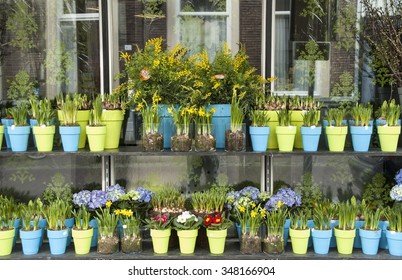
<point x="187" y="221"/>
<point x="159" y="222"/>
<point x="284" y="197"/>
<point x="217" y="222"/>
<point x="250" y="192"/>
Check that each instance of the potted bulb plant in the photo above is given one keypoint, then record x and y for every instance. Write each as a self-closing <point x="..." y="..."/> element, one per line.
<point x="273" y="242"/>
<point x="259" y="130"/>
<point x="370" y="233"/>
<point x="310" y="130"/>
<point x="19" y="132"/>
<point x="7" y="225"/>
<point x="235" y="135"/>
<point x="187" y="226"/>
<point x="285" y="131"/>
<point x="390" y="131"/>
<point x="44" y="130"/>
<point x="394" y="230"/>
<point x="82" y="232"/>
<point x="361" y="126"/>
<point x="131" y="240"/>
<point x="160" y="231"/>
<point x="205" y="139"/>
<point x="336" y="130"/>
<point x="152" y="131"/>
<point x="181" y="140"/>
<point x="217" y="226"/>
<point x="108" y="240"/>
<point x="31" y="233"/>
<point x="321" y="232"/>
<point x="95" y="129"/>
<point x="69" y="128"/>
<point x="299" y="232"/>
<point x="345" y="232"/>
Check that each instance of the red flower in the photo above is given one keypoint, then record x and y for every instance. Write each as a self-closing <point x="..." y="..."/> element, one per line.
<point x="217" y="219"/>
<point x="208" y="220"/>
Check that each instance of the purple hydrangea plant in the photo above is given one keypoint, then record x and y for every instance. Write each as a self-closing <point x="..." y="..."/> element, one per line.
<point x="398" y="177"/>
<point x="284" y="197"/>
<point x="114" y="192"/>
<point x="396" y="193"/>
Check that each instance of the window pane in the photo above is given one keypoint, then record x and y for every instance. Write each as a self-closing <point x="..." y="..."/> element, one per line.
<point x="199" y="32"/>
<point x="283" y="5"/>
<point x="81" y="6"/>
<point x="203" y="5"/>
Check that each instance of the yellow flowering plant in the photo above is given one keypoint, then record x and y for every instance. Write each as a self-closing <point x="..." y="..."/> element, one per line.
<point x="249" y="215"/>
<point x="130" y="223"/>
<point x="182" y="118"/>
<point x="107" y="220"/>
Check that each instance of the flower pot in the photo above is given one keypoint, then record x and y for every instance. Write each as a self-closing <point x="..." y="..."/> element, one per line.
<point x="299" y="240"/>
<point x="6" y="242"/>
<point x="259" y="138"/>
<point x="273" y="242"/>
<point x="344" y="240"/>
<point x="160" y="240"/>
<point x="30" y="241"/>
<point x="82" y="240"/>
<point x="57" y="241"/>
<point x="310" y="137"/>
<point x="251" y="240"/>
<point x="296" y="119"/>
<point x="383" y="225"/>
<point x="113" y="119"/>
<point x="131" y="240"/>
<point x="96" y="138"/>
<point x="187" y="239"/>
<point x="82" y="120"/>
<point x="167" y="123"/>
<point x="19" y="136"/>
<point x="205" y="140"/>
<point x="94" y="224"/>
<point x="361" y="136"/>
<point x="394" y="240"/>
<point x="7" y="123"/>
<point x="1" y="135"/>
<point x="286" y="137"/>
<point x="181" y="140"/>
<point x="389" y="136"/>
<point x="235" y="139"/>
<point x="325" y="124"/>
<point x="152" y="137"/>
<point x="336" y="138"/>
<point x="370" y="240"/>
<point x="44" y="136"/>
<point x="216" y="241"/>
<point x="220" y="120"/>
<point x="108" y="240"/>
<point x="69" y="223"/>
<point x="321" y="240"/>
<point x="70" y="136"/>
<point x="272" y="123"/>
<point x="357" y="243"/>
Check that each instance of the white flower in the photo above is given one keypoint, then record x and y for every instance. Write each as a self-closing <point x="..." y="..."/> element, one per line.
<point x="196" y="219"/>
<point x="181" y="219"/>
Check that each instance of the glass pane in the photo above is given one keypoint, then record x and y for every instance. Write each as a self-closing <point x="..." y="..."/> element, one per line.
<point x="203" y="5"/>
<point x="81" y="6"/>
<point x="203" y="32"/>
<point x="283" y="5"/>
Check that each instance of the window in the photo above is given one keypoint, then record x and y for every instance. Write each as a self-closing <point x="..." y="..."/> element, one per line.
<point x="203" y="24"/>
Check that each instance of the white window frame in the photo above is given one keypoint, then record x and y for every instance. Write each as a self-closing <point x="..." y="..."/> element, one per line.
<point x="232" y="23"/>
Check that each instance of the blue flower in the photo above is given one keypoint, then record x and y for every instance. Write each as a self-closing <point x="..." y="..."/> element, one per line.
<point x="98" y="199"/>
<point x="145" y="195"/>
<point x="398" y="177"/>
<point x="396" y="193"/>
<point x="82" y="198"/>
<point x="284" y="197"/>
<point x="114" y="192"/>
<point x="251" y="192"/>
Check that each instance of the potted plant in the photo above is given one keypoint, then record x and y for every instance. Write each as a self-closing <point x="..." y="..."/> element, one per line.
<point x="187" y="226"/>
<point x="285" y="131"/>
<point x="108" y="240"/>
<point x="273" y="242"/>
<point x="7" y="121"/>
<point x="322" y="231"/>
<point x="95" y="129"/>
<point x="370" y="233"/>
<point x="44" y="130"/>
<point x="83" y="115"/>
<point x="345" y="232"/>
<point x="217" y="226"/>
<point x="361" y="127"/>
<point x="160" y="231"/>
<point x="394" y="230"/>
<point x="20" y="130"/>
<point x="235" y="135"/>
<point x="204" y="130"/>
<point x="181" y="140"/>
<point x="389" y="132"/>
<point x="69" y="128"/>
<point x="30" y="233"/>
<point x="57" y="233"/>
<point x="131" y="239"/>
<point x="299" y="232"/>
<point x="310" y="130"/>
<point x="259" y="130"/>
<point x="152" y="130"/>
<point x="7" y="225"/>
<point x="336" y="130"/>
<point x="82" y="232"/>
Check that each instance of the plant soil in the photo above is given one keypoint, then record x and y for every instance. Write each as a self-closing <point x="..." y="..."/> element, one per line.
<point x="205" y="143"/>
<point x="235" y="141"/>
<point x="250" y="244"/>
<point x="273" y="244"/>
<point x="152" y="142"/>
<point x="131" y="244"/>
<point x="108" y="244"/>
<point x="181" y="143"/>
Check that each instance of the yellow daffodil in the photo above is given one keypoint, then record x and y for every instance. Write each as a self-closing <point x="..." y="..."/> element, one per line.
<point x="242" y="209"/>
<point x="280" y="203"/>
<point x="108" y="204"/>
<point x="253" y="205"/>
<point x="253" y="214"/>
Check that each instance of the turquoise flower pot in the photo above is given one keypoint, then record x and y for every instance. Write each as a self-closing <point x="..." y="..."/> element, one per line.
<point x="394" y="240"/>
<point x="361" y="136"/>
<point x="286" y="232"/>
<point x="220" y="120"/>
<point x="310" y="137"/>
<point x="370" y="240"/>
<point x="70" y="137"/>
<point x="7" y="123"/>
<point x="19" y="136"/>
<point x="321" y="240"/>
<point x="259" y="138"/>
<point x="383" y="240"/>
<point x="167" y="124"/>
<point x="57" y="241"/>
<point x="30" y="241"/>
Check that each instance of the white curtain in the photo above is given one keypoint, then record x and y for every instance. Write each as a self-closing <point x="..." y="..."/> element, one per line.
<point x="281" y="51"/>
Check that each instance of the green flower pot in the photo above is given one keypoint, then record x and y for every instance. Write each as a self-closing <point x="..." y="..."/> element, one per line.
<point x="345" y="240"/>
<point x="96" y="138"/>
<point x="82" y="120"/>
<point x="217" y="240"/>
<point x="296" y="119"/>
<point x="1" y="135"/>
<point x="272" y="123"/>
<point x="187" y="239"/>
<point x="113" y="119"/>
<point x="286" y="137"/>
<point x="160" y="240"/>
<point x="44" y="136"/>
<point x="6" y="242"/>
<point x="389" y="136"/>
<point x="336" y="136"/>
<point x="82" y="240"/>
<point x="299" y="240"/>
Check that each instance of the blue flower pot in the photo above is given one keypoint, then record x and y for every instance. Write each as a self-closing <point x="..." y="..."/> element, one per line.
<point x="32" y="123"/>
<point x="310" y="137"/>
<point x="220" y="120"/>
<point x="394" y="240"/>
<point x="19" y="136"/>
<point x="286" y="232"/>
<point x="259" y="138"/>
<point x="7" y="123"/>
<point x="361" y="136"/>
<point x="167" y="124"/>
<point x="42" y="224"/>
<point x="321" y="240"/>
<point x="370" y="240"/>
<point x="310" y="224"/>
<point x="30" y="241"/>
<point x="57" y="241"/>
<point x="332" y="224"/>
<point x="70" y="137"/>
<point x="383" y="240"/>
<point x="94" y="224"/>
<point x="69" y="223"/>
<point x="358" y="243"/>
